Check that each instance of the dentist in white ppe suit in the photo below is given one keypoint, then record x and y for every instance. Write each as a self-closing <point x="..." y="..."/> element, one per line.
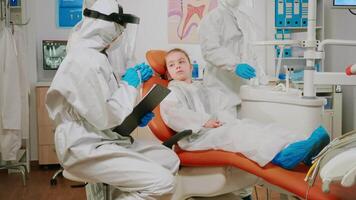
<point x="225" y="39"/>
<point x="86" y="100"/>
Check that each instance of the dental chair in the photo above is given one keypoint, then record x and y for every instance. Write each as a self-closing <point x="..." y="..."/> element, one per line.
<point x="213" y="172"/>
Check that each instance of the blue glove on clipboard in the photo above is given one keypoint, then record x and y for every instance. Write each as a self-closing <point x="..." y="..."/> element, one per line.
<point x="151" y="100"/>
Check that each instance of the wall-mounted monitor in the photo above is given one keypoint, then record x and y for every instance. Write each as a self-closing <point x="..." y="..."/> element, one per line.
<point x="54" y="52"/>
<point x="344" y="3"/>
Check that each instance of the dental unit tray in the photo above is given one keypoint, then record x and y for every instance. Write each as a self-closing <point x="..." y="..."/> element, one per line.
<point x="151" y="100"/>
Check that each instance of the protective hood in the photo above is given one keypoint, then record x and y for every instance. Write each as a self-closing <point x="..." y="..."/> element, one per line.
<point x="96" y="33"/>
<point x="88" y="3"/>
<point x="225" y="4"/>
<point x="234" y="7"/>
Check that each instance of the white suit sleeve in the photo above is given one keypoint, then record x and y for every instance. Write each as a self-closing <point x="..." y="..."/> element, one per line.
<point x="88" y="92"/>
<point x="178" y="117"/>
<point x="211" y="37"/>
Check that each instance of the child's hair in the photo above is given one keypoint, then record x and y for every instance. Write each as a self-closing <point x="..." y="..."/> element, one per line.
<point x="179" y="50"/>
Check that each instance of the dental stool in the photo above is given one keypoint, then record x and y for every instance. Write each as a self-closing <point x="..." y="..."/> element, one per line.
<point x="69" y="176"/>
<point x="53" y="180"/>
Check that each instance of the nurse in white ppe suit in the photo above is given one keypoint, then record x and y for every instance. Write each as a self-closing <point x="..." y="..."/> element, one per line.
<point x="225" y="35"/>
<point x="86" y="100"/>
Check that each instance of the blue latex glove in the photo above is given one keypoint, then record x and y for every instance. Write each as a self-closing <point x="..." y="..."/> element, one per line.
<point x="131" y="77"/>
<point x="145" y="71"/>
<point x="145" y="119"/>
<point x="245" y="71"/>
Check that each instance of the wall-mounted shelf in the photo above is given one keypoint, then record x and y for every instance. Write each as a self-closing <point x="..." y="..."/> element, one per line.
<point x="293" y="56"/>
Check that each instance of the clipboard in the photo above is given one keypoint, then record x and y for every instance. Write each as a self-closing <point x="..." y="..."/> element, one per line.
<point x="150" y="101"/>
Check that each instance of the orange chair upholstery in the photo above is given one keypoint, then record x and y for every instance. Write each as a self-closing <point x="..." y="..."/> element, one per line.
<point x="289" y="180"/>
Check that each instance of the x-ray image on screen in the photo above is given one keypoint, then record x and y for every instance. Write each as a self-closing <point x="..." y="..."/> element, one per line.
<point x="54" y="52"/>
<point x="344" y="2"/>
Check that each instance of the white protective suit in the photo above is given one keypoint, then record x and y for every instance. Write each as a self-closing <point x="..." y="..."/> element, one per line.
<point x="10" y="97"/>
<point x="225" y="39"/>
<point x="190" y="106"/>
<point x="86" y="100"/>
<point x="20" y="36"/>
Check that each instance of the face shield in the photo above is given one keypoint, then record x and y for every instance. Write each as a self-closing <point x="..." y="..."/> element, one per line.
<point x="121" y="52"/>
<point x="122" y="19"/>
<point x="129" y="42"/>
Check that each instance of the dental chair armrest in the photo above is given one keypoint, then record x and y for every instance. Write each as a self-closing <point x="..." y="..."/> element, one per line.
<point x="176" y="137"/>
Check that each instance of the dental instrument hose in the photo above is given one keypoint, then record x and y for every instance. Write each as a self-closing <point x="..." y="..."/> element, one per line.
<point x="337" y="143"/>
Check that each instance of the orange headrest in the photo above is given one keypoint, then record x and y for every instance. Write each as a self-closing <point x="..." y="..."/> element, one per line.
<point x="156" y="59"/>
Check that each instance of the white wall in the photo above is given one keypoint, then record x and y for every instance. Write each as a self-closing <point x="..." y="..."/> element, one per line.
<point x="340" y="24"/>
<point x="152" y="35"/>
<point x="42" y="27"/>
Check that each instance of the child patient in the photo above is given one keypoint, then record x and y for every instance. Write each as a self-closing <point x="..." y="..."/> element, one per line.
<point x="206" y="111"/>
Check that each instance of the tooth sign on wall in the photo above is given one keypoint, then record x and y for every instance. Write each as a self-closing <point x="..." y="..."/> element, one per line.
<point x="184" y="17"/>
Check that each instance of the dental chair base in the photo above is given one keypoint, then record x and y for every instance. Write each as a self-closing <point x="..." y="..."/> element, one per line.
<point x="211" y="181"/>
